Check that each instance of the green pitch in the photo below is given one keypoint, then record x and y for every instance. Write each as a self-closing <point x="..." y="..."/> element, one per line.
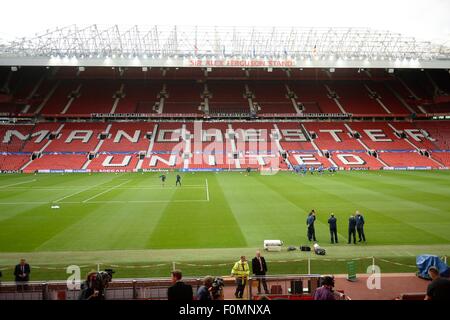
<point x="131" y="217"/>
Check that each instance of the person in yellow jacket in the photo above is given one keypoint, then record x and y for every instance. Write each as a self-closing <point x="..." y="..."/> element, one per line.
<point x="240" y="271"/>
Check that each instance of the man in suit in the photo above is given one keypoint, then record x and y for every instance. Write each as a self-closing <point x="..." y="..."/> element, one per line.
<point x="259" y="269"/>
<point x="22" y="274"/>
<point x="241" y="272"/>
<point x="352" y="229"/>
<point x="333" y="228"/>
<point x="360" y="226"/>
<point x="179" y="291"/>
<point x="310" y="223"/>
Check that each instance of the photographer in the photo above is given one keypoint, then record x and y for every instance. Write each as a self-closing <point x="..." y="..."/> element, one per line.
<point x="88" y="288"/>
<point x="326" y="292"/>
<point x="217" y="289"/>
<point x="94" y="286"/>
<point x="204" y="292"/>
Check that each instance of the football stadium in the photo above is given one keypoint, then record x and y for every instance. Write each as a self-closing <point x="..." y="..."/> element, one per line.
<point x="131" y="152"/>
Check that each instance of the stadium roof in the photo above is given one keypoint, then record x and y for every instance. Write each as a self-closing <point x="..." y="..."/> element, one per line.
<point x="196" y="46"/>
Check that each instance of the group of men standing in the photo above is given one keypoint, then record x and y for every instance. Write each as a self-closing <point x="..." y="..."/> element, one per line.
<point x="241" y="272"/>
<point x="355" y="224"/>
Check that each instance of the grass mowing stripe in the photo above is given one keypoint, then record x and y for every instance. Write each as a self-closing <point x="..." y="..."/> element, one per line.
<point x="394" y="190"/>
<point x="197" y="225"/>
<point x="260" y="212"/>
<point x="323" y="226"/>
<point x="207" y="190"/>
<point x="392" y="199"/>
<point x="395" y="214"/>
<point x="107" y="190"/>
<point x="360" y="202"/>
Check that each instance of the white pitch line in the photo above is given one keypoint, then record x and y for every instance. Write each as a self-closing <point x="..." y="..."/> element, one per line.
<point x="17" y="203"/>
<point x="15" y="184"/>
<point x="142" y="201"/>
<point x="75" y="193"/>
<point x="106" y="202"/>
<point x="123" y="188"/>
<point x="207" y="190"/>
<point x="110" y="189"/>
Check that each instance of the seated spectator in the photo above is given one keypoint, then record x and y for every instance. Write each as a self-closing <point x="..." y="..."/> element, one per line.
<point x="325" y="292"/>
<point x="204" y="292"/>
<point x="179" y="291"/>
<point x="439" y="288"/>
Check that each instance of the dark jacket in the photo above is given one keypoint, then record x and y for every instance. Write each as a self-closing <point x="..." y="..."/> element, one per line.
<point x="310" y="221"/>
<point x="359" y="221"/>
<point x="352" y="223"/>
<point x="180" y="292"/>
<point x="256" y="267"/>
<point x="332" y="222"/>
<point x="26" y="270"/>
<point x="87" y="293"/>
<point x="203" y="293"/>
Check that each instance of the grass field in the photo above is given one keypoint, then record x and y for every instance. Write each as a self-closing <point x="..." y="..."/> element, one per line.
<point x="129" y="219"/>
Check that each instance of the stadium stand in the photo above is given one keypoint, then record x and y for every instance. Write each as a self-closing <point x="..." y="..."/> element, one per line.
<point x="315" y="96"/>
<point x="94" y="95"/>
<point x="271" y="97"/>
<point x="383" y="118"/>
<point x="60" y="97"/>
<point x="138" y="96"/>
<point x="398" y="144"/>
<point x="57" y="162"/>
<point x="183" y="97"/>
<point x="227" y="97"/>
<point x="354" y="97"/>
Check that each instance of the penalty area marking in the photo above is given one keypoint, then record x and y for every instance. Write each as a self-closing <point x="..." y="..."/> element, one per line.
<point x="78" y="192"/>
<point x="207" y="190"/>
<point x="103" y="202"/>
<point x="138" y="201"/>
<point x="192" y="186"/>
<point x="107" y="190"/>
<point x="16" y="184"/>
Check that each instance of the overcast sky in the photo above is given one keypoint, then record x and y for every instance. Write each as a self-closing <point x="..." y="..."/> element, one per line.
<point x="423" y="19"/>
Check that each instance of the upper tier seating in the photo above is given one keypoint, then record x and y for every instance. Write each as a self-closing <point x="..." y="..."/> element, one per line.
<point x="183" y="97"/>
<point x="354" y="98"/>
<point x="271" y="97"/>
<point x="314" y="94"/>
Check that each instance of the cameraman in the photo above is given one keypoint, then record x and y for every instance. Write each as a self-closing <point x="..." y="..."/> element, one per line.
<point x="326" y="291"/>
<point x="217" y="289"/>
<point x="90" y="289"/>
<point x="204" y="292"/>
